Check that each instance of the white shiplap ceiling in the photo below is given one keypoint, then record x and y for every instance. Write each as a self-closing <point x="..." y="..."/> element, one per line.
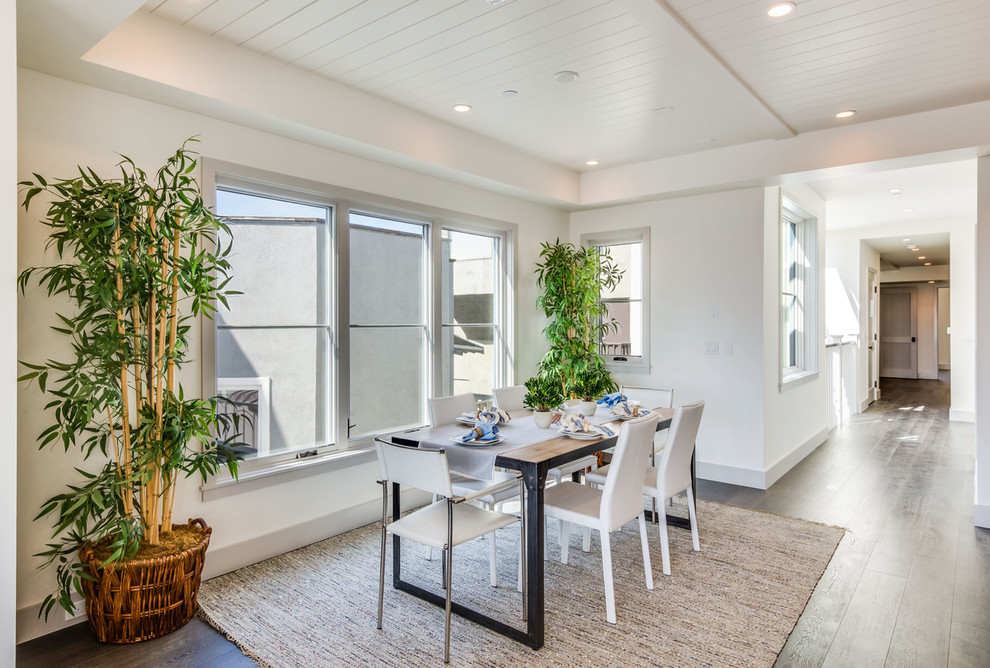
<point x="657" y="78"/>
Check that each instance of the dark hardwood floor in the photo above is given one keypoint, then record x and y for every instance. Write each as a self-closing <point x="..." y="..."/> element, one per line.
<point x="908" y="586"/>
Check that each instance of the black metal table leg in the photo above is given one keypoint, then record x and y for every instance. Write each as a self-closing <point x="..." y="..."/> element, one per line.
<point x="535" y="477"/>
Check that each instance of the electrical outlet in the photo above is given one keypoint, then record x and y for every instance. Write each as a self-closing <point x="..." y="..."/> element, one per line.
<point x="711" y="347"/>
<point x="80" y="605"/>
<point x="727" y="347"/>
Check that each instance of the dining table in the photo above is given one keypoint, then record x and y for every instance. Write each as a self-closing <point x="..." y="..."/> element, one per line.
<point x="532" y="452"/>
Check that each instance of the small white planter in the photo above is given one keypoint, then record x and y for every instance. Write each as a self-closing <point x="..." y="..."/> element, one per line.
<point x="589" y="407"/>
<point x="543" y="419"/>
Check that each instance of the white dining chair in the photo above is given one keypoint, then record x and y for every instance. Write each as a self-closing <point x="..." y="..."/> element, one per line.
<point x="442" y="525"/>
<point x="446" y="410"/>
<point x="510" y="398"/>
<point x="651" y="397"/>
<point x="605" y="510"/>
<point x="673" y="474"/>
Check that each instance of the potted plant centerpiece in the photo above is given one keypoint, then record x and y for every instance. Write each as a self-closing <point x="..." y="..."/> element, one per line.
<point x="137" y="262"/>
<point x="543" y="395"/>
<point x="590" y="385"/>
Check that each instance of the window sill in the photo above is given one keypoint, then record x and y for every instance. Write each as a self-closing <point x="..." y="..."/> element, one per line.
<point x="224" y="485"/>
<point x="635" y="365"/>
<point x="797" y="378"/>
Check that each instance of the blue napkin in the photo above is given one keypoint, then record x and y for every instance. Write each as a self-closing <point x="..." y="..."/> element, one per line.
<point x="612" y="399"/>
<point x="482" y="431"/>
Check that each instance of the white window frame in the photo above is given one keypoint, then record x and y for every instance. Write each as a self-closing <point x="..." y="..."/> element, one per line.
<point x="501" y="308"/>
<point x="343" y="200"/>
<point x="806" y="234"/>
<point x="620" y="363"/>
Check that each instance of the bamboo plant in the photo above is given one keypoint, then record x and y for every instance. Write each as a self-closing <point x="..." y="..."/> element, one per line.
<point x="138" y="261"/>
<point x="572" y="279"/>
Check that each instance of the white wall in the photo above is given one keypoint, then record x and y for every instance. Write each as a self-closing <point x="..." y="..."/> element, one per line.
<point x="795" y="416"/>
<point x="943" y="324"/>
<point x="705" y="250"/>
<point x="8" y="315"/>
<point x="981" y="298"/>
<point x="62" y="124"/>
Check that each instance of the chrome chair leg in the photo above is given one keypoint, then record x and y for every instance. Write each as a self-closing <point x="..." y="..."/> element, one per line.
<point x="381" y="570"/>
<point x="449" y="558"/>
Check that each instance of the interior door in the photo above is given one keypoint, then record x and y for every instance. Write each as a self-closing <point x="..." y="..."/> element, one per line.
<point x="899" y="332"/>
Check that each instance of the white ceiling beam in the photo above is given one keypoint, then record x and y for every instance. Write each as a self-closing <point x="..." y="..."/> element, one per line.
<point x="943" y="135"/>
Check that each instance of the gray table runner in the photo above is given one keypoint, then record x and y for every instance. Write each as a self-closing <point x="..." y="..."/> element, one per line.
<point x="478" y="461"/>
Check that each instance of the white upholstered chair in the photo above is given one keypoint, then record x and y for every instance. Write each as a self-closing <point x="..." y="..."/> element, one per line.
<point x="673" y="474"/>
<point x="510" y="398"/>
<point x="446" y="410"/>
<point x="442" y="524"/>
<point x="605" y="510"/>
<point x="651" y="397"/>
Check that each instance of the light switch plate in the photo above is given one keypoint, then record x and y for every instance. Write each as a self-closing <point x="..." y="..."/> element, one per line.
<point x="711" y="347"/>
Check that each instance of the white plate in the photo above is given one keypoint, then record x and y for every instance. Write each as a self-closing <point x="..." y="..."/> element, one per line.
<point x="497" y="439"/>
<point x="464" y="419"/>
<point x="582" y="435"/>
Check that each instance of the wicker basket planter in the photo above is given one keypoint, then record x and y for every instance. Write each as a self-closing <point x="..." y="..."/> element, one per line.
<point x="143" y="598"/>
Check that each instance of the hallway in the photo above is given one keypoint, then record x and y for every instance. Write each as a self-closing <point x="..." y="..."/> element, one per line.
<point x="910" y="583"/>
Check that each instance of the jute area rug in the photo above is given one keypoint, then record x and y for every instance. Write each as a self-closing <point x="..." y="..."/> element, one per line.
<point x="732" y="604"/>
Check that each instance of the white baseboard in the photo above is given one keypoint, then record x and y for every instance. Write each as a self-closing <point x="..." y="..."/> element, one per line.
<point x="957" y="415"/>
<point x="231" y="557"/>
<point x="981" y="516"/>
<point x="733" y="475"/>
<point x="790" y="460"/>
<point x="30" y="626"/>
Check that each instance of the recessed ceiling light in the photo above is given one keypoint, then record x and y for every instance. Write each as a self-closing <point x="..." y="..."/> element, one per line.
<point x="931" y="281"/>
<point x="846" y="113"/>
<point x="908" y="210"/>
<point x="915" y="249"/>
<point x="591" y="163"/>
<point x="921" y="257"/>
<point x="462" y="108"/>
<point x="510" y="93"/>
<point x="896" y="191"/>
<point x="928" y="264"/>
<point x="905" y="239"/>
<point x="566" y="76"/>
<point x="780" y="9"/>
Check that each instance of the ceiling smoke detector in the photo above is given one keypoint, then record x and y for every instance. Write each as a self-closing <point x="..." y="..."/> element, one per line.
<point x="567" y="76"/>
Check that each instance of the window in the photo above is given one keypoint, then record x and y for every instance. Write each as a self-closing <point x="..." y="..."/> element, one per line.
<point x="627" y="303"/>
<point x="389" y="342"/>
<point x="798" y="291"/>
<point x="350" y="315"/>
<point x="273" y="344"/>
<point x="469" y="308"/>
